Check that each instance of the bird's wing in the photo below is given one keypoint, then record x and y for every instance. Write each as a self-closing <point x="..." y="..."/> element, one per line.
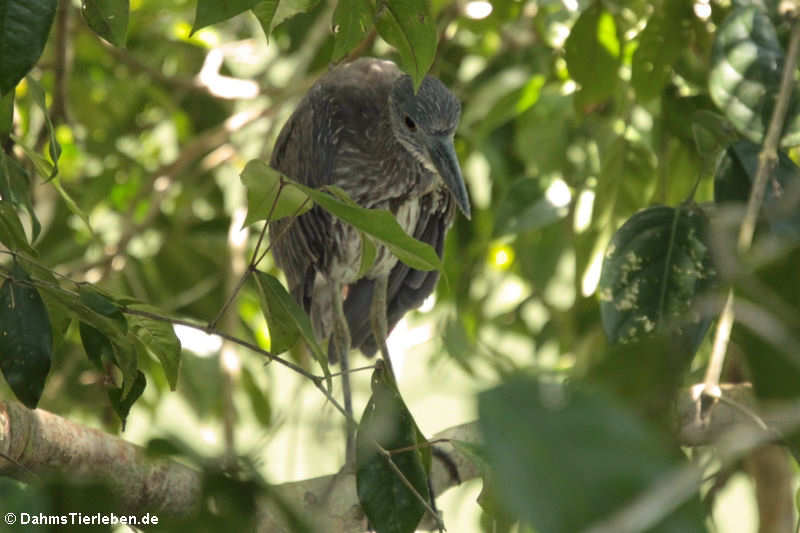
<point x="407" y="287"/>
<point x="305" y="151"/>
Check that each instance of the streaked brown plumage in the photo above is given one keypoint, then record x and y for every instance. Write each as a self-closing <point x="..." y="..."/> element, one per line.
<point x="362" y="128"/>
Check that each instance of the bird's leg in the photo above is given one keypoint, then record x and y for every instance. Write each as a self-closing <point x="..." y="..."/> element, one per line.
<point x="378" y="313"/>
<point x="341" y="339"/>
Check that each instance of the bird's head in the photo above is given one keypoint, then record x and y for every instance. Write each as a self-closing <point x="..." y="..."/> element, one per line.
<point x="424" y="123"/>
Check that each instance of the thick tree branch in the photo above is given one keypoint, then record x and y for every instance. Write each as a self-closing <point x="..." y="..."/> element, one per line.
<point x="37" y="442"/>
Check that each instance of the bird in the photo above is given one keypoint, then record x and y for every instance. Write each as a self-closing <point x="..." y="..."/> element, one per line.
<point x="363" y="128"/>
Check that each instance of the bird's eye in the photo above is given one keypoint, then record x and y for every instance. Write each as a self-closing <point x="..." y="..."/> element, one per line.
<point x="410" y="124"/>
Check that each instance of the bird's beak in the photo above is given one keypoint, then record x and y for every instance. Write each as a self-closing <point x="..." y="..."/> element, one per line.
<point x="443" y="156"/>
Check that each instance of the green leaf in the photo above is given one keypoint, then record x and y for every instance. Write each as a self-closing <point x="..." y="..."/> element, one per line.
<point x="566" y="457"/>
<point x="259" y="401"/>
<point x="159" y="338"/>
<point x="263" y="184"/>
<point x="734" y="179"/>
<point x="524" y="208"/>
<point x="96" y="345"/>
<point x="289" y="8"/>
<point x="592" y="53"/>
<point x="380" y="224"/>
<point x="265" y="12"/>
<point x="92" y="298"/>
<point x="213" y="11"/>
<point x="286" y="320"/>
<point x="15" y="188"/>
<point x="72" y="205"/>
<point x="660" y="45"/>
<point x="24" y="27"/>
<point x="108" y="19"/>
<point x="351" y="22"/>
<point x="656" y="265"/>
<point x="386" y="500"/>
<point x="26" y="339"/>
<point x="12" y="234"/>
<point x="122" y="404"/>
<point x="37" y="94"/>
<point x="409" y="27"/>
<point x="7" y="113"/>
<point x="747" y="60"/>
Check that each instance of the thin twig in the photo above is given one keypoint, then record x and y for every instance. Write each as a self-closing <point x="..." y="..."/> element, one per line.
<point x="766" y="162"/>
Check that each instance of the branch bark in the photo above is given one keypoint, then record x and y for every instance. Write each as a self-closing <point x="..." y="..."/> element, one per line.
<point x="36" y="442"/>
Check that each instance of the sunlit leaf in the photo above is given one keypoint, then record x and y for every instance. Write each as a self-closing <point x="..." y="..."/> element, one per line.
<point x="389" y="504"/>
<point x="26" y="339"/>
<point x="352" y="19"/>
<point x="409" y="27"/>
<point x="159" y="338"/>
<point x="286" y="320"/>
<point x="524" y="208"/>
<point x="263" y="184"/>
<point x="660" y="45"/>
<point x="37" y="92"/>
<point x="747" y="60"/>
<point x="24" y="27"/>
<point x="592" y="53"/>
<point x="108" y="19"/>
<point x="213" y="11"/>
<point x="265" y="12"/>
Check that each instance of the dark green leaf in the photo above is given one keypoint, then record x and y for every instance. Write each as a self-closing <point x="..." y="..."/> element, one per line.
<point x="263" y="183"/>
<point x="101" y="304"/>
<point x="286" y="320"/>
<point x="656" y="265"/>
<point x="213" y="11"/>
<point x="37" y="93"/>
<point x="351" y="22"/>
<point x="592" y="53"/>
<point x="96" y="345"/>
<point x="747" y="60"/>
<point x="734" y="178"/>
<point x="408" y="26"/>
<point x="122" y="405"/>
<point x="565" y="458"/>
<point x="7" y="113"/>
<point x="660" y="45"/>
<point x="26" y="339"/>
<point x="159" y="338"/>
<point x="108" y="19"/>
<point x="12" y="234"/>
<point x="265" y="12"/>
<point x="15" y="188"/>
<point x="380" y="224"/>
<point x="24" y="27"/>
<point x="386" y="500"/>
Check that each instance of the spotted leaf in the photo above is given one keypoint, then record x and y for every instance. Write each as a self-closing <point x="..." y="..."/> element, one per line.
<point x="654" y="268"/>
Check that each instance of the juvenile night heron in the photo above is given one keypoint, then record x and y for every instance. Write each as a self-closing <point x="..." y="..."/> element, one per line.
<point x="361" y="127"/>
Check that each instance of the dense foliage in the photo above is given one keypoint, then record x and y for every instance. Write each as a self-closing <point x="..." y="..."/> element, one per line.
<point x="610" y="148"/>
